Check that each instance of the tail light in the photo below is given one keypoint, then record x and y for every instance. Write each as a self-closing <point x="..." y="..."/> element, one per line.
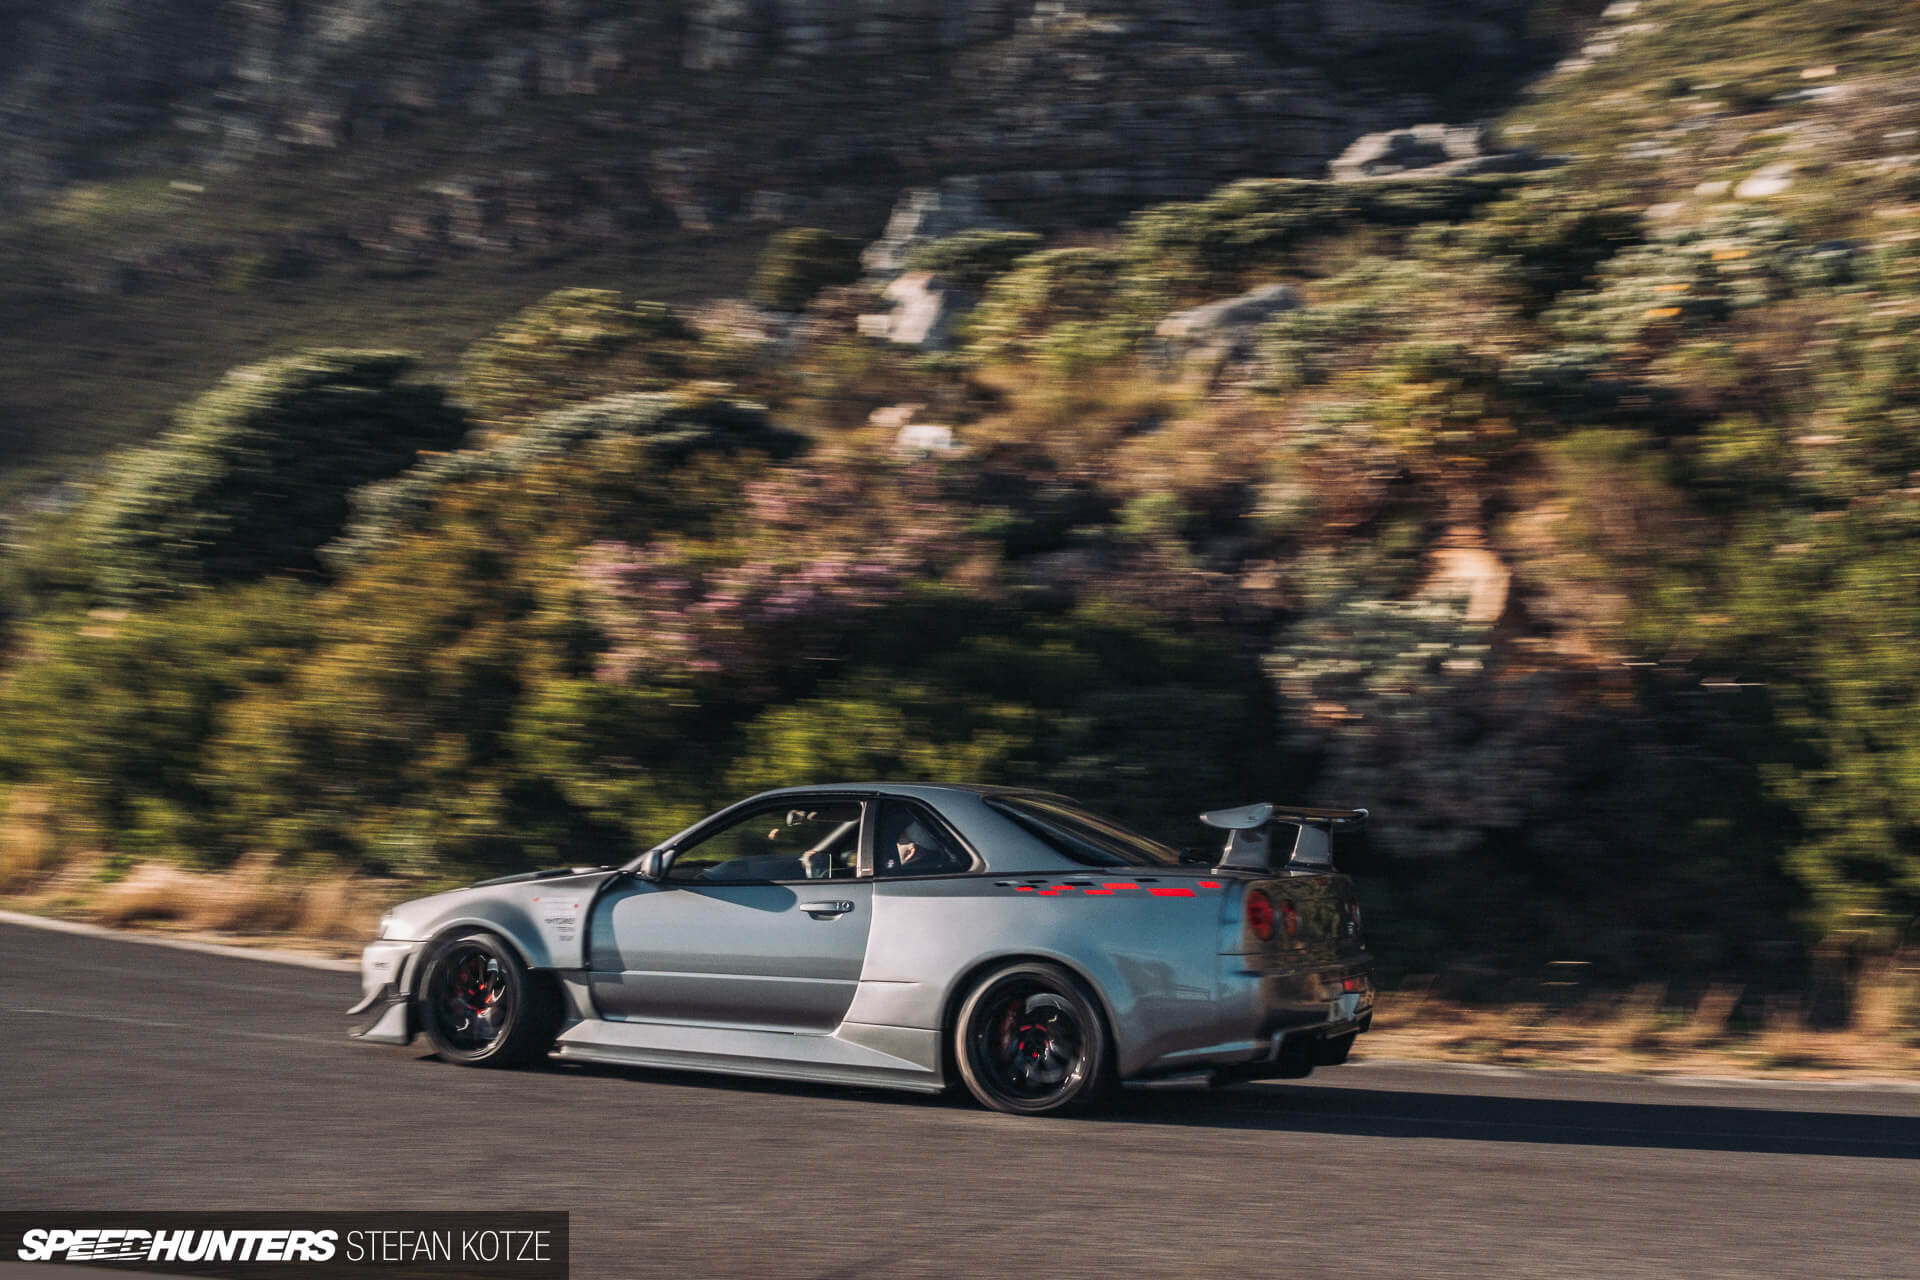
<point x="1260" y="915"/>
<point x="1289" y="918"/>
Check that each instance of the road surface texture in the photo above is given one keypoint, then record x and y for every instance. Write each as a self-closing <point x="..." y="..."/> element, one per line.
<point x="143" y="1078"/>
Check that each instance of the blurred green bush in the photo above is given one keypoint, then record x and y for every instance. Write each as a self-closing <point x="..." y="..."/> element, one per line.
<point x="798" y="263"/>
<point x="254" y="476"/>
<point x="571" y="346"/>
<point x="971" y="258"/>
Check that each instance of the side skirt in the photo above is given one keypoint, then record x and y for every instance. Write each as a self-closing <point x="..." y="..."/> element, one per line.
<point x="856" y="1054"/>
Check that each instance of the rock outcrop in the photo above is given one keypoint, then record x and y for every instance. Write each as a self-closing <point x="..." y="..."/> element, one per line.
<point x="1453" y="150"/>
<point x="1229" y="316"/>
<point x="922" y="215"/>
<point x="1132" y="101"/>
<point x="923" y="309"/>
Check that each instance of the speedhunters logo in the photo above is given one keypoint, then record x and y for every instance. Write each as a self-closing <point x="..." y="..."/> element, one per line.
<point x="107" y="1244"/>
<point x="393" y="1246"/>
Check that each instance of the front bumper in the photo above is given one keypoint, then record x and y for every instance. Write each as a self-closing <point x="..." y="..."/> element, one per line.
<point x="385" y="1012"/>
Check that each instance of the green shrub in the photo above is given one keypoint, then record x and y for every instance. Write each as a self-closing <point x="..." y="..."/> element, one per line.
<point x="1543" y="242"/>
<point x="112" y="716"/>
<point x="972" y="258"/>
<point x="254" y="476"/>
<point x="1682" y="283"/>
<point x="571" y="346"/>
<point x="673" y="428"/>
<point x="1300" y="348"/>
<point x="798" y="263"/>
<point x="1106" y="703"/>
<point x="1210" y="246"/>
<point x="1046" y="291"/>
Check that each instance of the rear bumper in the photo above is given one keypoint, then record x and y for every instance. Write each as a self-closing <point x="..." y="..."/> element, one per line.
<point x="1283" y="1004"/>
<point x="385" y="1012"/>
<point x="1276" y="1021"/>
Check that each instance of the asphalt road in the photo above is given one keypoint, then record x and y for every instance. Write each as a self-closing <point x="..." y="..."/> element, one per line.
<point x="141" y="1078"/>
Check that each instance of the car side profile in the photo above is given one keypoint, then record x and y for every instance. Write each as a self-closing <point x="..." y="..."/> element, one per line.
<point x="909" y="936"/>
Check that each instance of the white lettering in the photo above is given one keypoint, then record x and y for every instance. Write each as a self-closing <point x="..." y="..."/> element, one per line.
<point x="131" y="1244"/>
<point x="34" y="1247"/>
<point x="317" y="1246"/>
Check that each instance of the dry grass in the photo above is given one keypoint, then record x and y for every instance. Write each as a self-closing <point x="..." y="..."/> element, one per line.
<point x="255" y="901"/>
<point x="29" y="848"/>
<point x="251" y="899"/>
<point x="1640" y="1032"/>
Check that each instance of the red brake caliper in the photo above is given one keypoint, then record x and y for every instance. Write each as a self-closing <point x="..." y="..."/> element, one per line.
<point x="473" y="983"/>
<point x="1007" y="1044"/>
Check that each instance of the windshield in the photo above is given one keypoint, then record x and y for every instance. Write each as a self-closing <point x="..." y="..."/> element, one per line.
<point x="1085" y="837"/>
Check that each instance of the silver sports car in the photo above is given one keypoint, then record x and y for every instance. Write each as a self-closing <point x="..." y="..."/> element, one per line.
<point x="907" y="936"/>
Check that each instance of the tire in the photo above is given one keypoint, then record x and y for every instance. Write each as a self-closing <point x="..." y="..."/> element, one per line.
<point x="1029" y="1040"/>
<point x="482" y="1008"/>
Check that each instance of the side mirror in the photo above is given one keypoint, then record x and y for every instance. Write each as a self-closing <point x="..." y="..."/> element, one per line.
<point x="654" y="863"/>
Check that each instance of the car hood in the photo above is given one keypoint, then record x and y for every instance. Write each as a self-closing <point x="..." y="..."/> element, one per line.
<point x="548" y="874"/>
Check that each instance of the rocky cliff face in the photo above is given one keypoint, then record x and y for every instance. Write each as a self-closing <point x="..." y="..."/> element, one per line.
<point x="1143" y="98"/>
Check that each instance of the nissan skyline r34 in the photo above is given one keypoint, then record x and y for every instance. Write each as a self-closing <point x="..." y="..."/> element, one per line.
<point x="903" y="935"/>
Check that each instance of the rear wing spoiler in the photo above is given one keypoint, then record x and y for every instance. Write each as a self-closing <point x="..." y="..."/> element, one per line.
<point x="1250" y="843"/>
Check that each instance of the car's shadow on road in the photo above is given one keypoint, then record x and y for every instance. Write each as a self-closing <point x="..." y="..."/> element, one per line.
<point x="1399" y="1114"/>
<point x="768" y="1085"/>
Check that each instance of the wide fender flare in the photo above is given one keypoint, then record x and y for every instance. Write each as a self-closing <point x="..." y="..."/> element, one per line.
<point x="1098" y="984"/>
<point x="511" y="922"/>
<point x="1144" y="1017"/>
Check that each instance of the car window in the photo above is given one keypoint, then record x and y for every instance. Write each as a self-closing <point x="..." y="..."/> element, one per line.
<point x="785" y="841"/>
<point x="910" y="841"/>
<point x="1084" y="836"/>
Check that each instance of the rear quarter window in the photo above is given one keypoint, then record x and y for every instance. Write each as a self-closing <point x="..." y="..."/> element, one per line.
<point x="1082" y="835"/>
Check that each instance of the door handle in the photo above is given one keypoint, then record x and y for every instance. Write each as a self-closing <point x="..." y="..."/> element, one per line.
<point x="821" y="910"/>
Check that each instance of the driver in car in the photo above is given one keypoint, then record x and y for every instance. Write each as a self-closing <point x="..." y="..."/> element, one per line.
<point x="913" y="851"/>
<point x="832" y="853"/>
<point x="916" y="851"/>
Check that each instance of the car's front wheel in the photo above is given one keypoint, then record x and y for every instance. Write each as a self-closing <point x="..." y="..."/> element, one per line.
<point x="1030" y="1040"/>
<point x="482" y="1008"/>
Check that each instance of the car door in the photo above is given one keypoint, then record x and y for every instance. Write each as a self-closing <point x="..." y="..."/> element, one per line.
<point x="736" y="932"/>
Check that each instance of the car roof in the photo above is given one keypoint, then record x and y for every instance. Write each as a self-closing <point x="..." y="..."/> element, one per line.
<point x="929" y="791"/>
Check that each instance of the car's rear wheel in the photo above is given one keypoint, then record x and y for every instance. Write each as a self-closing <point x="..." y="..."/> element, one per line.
<point x="1030" y="1040"/>
<point x="482" y="1008"/>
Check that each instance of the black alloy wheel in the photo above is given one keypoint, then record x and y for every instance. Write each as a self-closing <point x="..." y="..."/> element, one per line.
<point x="481" y="1007"/>
<point x="1029" y="1040"/>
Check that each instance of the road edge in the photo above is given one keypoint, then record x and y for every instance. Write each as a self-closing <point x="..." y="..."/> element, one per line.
<point x="1869" y="1083"/>
<point x="293" y="958"/>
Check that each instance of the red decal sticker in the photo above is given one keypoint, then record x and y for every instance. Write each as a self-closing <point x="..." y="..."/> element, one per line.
<point x="1209" y="884"/>
<point x="1099" y="893"/>
<point x="1023" y="888"/>
<point x="1171" y="893"/>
